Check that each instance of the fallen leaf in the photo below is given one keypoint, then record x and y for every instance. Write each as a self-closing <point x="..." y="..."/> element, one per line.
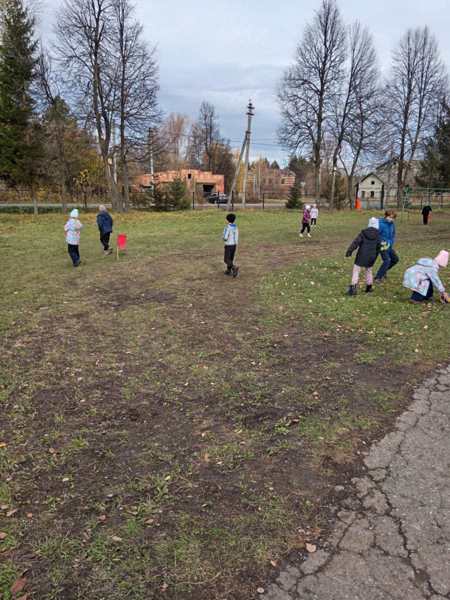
<point x="164" y="587"/>
<point x="102" y="518"/>
<point x="18" y="585"/>
<point x="260" y="590"/>
<point x="2" y="445"/>
<point x="116" y="538"/>
<point x="311" y="548"/>
<point x="3" y="535"/>
<point x="25" y="597"/>
<point x="29" y="515"/>
<point x="274" y="563"/>
<point x="12" y="512"/>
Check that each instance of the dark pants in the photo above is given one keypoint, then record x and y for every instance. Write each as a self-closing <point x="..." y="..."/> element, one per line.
<point x="228" y="258"/>
<point x="104" y="238"/>
<point x="306" y="227"/>
<point x="390" y="259"/>
<point x="419" y="298"/>
<point x="425" y="218"/>
<point x="74" y="254"/>
<point x="313" y="221"/>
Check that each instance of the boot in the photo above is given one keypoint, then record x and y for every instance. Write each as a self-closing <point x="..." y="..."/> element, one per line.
<point x="235" y="271"/>
<point x="369" y="288"/>
<point x="227" y="272"/>
<point x="352" y="290"/>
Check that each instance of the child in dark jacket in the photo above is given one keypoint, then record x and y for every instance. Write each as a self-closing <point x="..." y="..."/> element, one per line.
<point x="105" y="226"/>
<point x="368" y="243"/>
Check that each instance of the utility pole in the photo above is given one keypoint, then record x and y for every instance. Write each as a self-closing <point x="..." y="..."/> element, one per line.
<point x="244" y="150"/>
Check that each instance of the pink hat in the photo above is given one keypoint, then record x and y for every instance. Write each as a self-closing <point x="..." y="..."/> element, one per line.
<point x="442" y="258"/>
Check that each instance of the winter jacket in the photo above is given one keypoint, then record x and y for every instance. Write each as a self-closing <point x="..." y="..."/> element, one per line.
<point x="104" y="222"/>
<point x="231" y="235"/>
<point x="426" y="210"/>
<point x="314" y="213"/>
<point x="419" y="276"/>
<point x="368" y="243"/>
<point x="306" y="216"/>
<point x="72" y="229"/>
<point x="387" y="233"/>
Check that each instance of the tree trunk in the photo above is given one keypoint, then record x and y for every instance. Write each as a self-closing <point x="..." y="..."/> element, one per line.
<point x="126" y="187"/>
<point x="34" y="200"/>
<point x="400" y="182"/>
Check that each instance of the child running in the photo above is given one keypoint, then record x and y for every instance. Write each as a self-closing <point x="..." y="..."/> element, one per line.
<point x="231" y="239"/>
<point x="105" y="226"/>
<point x="368" y="243"/>
<point x="72" y="229"/>
<point x="306" y="221"/>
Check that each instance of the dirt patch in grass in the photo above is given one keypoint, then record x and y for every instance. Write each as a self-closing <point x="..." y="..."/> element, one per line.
<point x="171" y="438"/>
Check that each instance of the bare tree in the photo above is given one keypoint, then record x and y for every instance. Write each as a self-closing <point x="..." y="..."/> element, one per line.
<point x="204" y="138"/>
<point x="359" y="126"/>
<point x="354" y="103"/>
<point x="174" y="136"/>
<point x="137" y="87"/>
<point x="85" y="49"/>
<point x="412" y="97"/>
<point x="310" y="86"/>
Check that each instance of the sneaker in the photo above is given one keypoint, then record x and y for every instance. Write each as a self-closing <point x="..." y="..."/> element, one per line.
<point x="227" y="272"/>
<point x="300" y="235"/>
<point x="352" y="290"/>
<point x="235" y="271"/>
<point x="369" y="289"/>
<point x="308" y="234"/>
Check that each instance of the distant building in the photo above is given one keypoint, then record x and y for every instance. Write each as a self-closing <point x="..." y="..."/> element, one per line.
<point x="273" y="183"/>
<point x="371" y="186"/>
<point x="202" y="182"/>
<point x="380" y="186"/>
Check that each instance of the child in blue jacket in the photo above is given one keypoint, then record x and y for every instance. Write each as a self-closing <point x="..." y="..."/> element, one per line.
<point x="105" y="226"/>
<point x="387" y="235"/>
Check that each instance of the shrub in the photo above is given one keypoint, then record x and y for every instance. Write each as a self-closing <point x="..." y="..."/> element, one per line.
<point x="294" y="196"/>
<point x="171" y="197"/>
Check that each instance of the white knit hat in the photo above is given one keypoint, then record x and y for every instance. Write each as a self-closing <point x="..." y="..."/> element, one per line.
<point x="373" y="222"/>
<point x="74" y="213"/>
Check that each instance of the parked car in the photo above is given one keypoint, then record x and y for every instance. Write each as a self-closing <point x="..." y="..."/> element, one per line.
<point x="217" y="198"/>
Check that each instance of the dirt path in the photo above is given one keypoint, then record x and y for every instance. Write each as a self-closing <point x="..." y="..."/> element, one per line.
<point x="392" y="539"/>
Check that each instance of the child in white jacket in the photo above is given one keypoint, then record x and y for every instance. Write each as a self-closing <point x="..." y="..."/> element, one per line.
<point x="72" y="229"/>
<point x="231" y="239"/>
<point x="314" y="214"/>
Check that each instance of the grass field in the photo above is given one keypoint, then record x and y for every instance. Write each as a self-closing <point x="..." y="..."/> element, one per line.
<point x="167" y="432"/>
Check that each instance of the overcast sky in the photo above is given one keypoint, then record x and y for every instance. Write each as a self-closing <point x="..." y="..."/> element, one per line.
<point x="227" y="51"/>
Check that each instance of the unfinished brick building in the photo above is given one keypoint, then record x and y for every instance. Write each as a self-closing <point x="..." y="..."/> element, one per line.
<point x="202" y="182"/>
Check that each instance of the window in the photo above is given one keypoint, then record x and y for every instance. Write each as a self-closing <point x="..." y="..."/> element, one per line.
<point x="283" y="181"/>
<point x="363" y="194"/>
<point x="372" y="194"/>
<point x="372" y="182"/>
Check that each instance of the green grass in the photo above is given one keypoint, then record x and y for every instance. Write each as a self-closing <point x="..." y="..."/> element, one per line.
<point x="170" y="429"/>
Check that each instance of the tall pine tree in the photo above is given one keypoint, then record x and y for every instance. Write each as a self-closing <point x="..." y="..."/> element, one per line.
<point x="19" y="135"/>
<point x="435" y="168"/>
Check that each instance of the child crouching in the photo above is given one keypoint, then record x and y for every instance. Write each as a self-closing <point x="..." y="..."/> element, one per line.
<point x="368" y="243"/>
